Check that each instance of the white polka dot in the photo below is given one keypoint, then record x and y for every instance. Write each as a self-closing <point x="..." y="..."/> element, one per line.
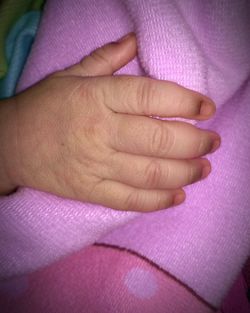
<point x="141" y="283"/>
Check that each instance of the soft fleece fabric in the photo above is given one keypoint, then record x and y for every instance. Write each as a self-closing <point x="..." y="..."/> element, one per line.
<point x="204" y="46"/>
<point x="17" y="47"/>
<point x="10" y="12"/>
<point x="84" y="283"/>
<point x="106" y="279"/>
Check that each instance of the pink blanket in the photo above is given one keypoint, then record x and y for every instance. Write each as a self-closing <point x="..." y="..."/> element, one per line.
<point x="201" y="45"/>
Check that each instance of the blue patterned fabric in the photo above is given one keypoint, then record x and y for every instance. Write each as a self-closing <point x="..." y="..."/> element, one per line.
<point x="18" y="44"/>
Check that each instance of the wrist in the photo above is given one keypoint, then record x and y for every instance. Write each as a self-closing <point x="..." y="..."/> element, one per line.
<point x="8" y="142"/>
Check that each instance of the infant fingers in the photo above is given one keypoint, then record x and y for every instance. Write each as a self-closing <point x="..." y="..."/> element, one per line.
<point x="165" y="139"/>
<point x="155" y="173"/>
<point x="122" y="197"/>
<point x="150" y="97"/>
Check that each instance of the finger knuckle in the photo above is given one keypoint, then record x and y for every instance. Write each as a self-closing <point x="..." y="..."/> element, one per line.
<point x="100" y="56"/>
<point x="193" y="174"/>
<point x="162" y="140"/>
<point x="153" y="174"/>
<point x="146" y="95"/>
<point x="133" y="202"/>
<point x="161" y="202"/>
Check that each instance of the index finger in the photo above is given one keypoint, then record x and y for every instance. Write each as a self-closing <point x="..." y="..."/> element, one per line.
<point x="147" y="96"/>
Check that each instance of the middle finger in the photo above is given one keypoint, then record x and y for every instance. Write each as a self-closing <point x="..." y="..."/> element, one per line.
<point x="167" y="139"/>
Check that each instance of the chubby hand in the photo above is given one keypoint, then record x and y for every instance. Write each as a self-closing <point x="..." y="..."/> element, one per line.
<point x="90" y="136"/>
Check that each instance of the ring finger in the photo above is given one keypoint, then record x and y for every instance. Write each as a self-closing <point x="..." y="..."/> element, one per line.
<point x="154" y="173"/>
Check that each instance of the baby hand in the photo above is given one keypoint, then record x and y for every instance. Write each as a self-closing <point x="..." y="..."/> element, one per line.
<point x="87" y="135"/>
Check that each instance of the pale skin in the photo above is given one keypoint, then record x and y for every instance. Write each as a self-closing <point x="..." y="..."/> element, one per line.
<point x="87" y="135"/>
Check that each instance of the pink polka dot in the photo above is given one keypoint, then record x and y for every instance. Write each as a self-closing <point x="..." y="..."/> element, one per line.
<point x="141" y="283"/>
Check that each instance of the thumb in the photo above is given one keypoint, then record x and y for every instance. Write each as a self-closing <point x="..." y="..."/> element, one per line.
<point x="107" y="59"/>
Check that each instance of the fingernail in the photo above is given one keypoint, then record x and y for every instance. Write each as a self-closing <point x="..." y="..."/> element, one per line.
<point x="179" y="198"/>
<point x="206" y="109"/>
<point x="216" y="145"/>
<point x="205" y="171"/>
<point x="124" y="38"/>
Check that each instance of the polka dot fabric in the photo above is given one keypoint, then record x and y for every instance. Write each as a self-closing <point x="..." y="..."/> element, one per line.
<point x="141" y="283"/>
<point x="101" y="279"/>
